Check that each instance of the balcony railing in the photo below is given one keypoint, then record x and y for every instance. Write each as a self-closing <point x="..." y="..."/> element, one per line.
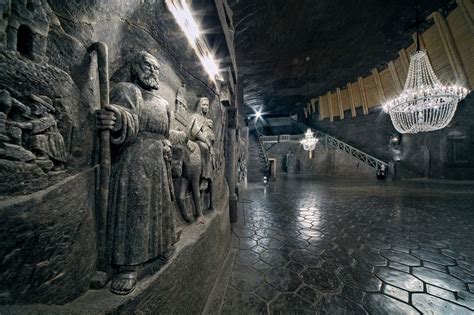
<point x="329" y="140"/>
<point x="338" y="144"/>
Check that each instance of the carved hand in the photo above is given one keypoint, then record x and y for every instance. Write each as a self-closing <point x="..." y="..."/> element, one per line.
<point x="109" y="118"/>
<point x="210" y="123"/>
<point x="167" y="151"/>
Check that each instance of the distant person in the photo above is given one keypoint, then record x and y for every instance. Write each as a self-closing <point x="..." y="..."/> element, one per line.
<point x="288" y="161"/>
<point x="381" y="172"/>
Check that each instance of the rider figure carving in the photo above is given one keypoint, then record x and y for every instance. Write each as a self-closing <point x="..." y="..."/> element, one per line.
<point x="200" y="131"/>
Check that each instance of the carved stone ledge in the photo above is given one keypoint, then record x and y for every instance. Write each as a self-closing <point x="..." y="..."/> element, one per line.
<point x="182" y="286"/>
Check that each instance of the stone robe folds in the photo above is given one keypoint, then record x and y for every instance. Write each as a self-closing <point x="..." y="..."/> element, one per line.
<point x="200" y="131"/>
<point x="140" y="221"/>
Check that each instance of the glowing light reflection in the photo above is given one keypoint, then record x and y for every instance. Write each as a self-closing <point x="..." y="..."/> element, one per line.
<point x="184" y="18"/>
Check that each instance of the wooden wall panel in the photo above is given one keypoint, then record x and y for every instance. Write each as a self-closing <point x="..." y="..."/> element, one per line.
<point x="450" y="46"/>
<point x="356" y="93"/>
<point x="346" y="104"/>
<point x="438" y="57"/>
<point x="371" y="92"/>
<point x="314" y="104"/>
<point x="402" y="75"/>
<point x="464" y="39"/>
<point x="330" y="106"/>
<point x="410" y="50"/>
<point x="335" y="106"/>
<point x="397" y="84"/>
<point x="323" y="108"/>
<point x="388" y="85"/>
<point x="363" y="95"/>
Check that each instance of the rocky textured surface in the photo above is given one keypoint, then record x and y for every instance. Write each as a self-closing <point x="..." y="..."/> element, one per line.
<point x="49" y="244"/>
<point x="47" y="241"/>
<point x="180" y="287"/>
<point x="344" y="40"/>
<point x="337" y="246"/>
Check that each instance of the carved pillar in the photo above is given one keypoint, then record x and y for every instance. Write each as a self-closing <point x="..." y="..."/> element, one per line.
<point x="230" y="158"/>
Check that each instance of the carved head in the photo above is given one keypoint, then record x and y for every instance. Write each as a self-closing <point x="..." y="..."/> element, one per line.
<point x="203" y="105"/>
<point x="178" y="140"/>
<point x="146" y="71"/>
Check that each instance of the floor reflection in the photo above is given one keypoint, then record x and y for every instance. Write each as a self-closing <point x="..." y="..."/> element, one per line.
<point x="329" y="246"/>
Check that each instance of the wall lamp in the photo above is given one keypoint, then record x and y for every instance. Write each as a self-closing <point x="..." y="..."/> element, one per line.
<point x="184" y="18"/>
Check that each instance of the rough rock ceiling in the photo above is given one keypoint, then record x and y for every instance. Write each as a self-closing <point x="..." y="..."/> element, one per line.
<point x="343" y="38"/>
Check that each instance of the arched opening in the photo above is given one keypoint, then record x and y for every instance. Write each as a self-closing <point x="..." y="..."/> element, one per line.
<point x="25" y="41"/>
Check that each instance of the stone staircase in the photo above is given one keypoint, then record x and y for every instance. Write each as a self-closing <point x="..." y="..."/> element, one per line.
<point x="404" y="170"/>
<point x="257" y="163"/>
<point x="343" y="146"/>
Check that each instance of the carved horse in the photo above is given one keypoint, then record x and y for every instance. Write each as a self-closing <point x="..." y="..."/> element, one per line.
<point x="186" y="166"/>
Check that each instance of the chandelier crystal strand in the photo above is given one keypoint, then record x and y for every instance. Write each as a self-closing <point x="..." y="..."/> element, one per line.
<point x="425" y="104"/>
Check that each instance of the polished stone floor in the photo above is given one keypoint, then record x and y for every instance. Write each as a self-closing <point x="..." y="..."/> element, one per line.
<point x="328" y="246"/>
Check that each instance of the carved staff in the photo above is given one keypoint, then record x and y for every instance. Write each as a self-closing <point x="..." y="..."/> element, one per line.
<point x="103" y="68"/>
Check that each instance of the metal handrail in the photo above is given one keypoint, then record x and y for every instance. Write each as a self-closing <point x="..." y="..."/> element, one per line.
<point x="338" y="144"/>
<point x="269" y="139"/>
<point x="281" y="138"/>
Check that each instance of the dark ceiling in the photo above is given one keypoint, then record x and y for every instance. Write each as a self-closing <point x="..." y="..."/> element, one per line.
<point x="343" y="38"/>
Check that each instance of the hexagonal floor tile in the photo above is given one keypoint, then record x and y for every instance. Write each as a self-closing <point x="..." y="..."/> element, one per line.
<point x="275" y="258"/>
<point x="283" y="279"/>
<point x="321" y="279"/>
<point x="267" y="292"/>
<point x="246" y="257"/>
<point x="291" y="303"/>
<point x="339" y="305"/>
<point x="439" y="279"/>
<point x="244" y="303"/>
<point x="359" y="278"/>
<point x="305" y="257"/>
<point x="401" y="258"/>
<point x="270" y="243"/>
<point x="433" y="257"/>
<point x="245" y="279"/>
<point x="367" y="256"/>
<point x="385" y="305"/>
<point x="400" y="279"/>
<point x="309" y="294"/>
<point x="428" y="304"/>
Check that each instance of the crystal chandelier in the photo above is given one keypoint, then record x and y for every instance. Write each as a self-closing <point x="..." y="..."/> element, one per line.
<point x="309" y="142"/>
<point x="425" y="104"/>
